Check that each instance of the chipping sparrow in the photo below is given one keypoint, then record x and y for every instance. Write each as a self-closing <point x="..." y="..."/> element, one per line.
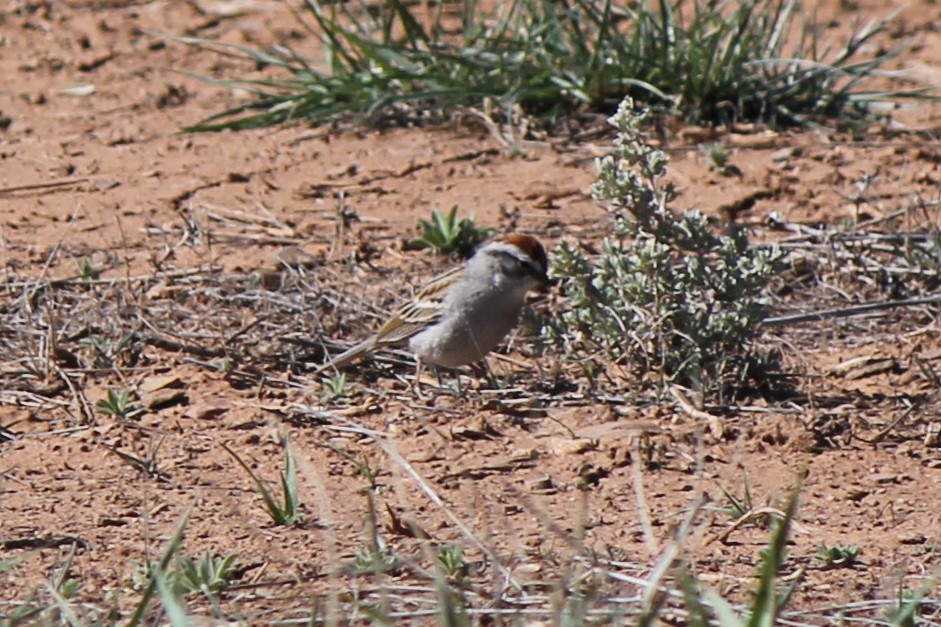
<point x="464" y="313"/>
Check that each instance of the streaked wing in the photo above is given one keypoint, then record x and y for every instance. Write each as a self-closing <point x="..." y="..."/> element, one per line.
<point x="419" y="313"/>
<point x="397" y="330"/>
<point x="409" y="320"/>
<point x="434" y="290"/>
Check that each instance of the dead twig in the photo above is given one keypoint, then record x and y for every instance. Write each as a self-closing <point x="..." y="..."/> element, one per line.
<point x="885" y="431"/>
<point x="169" y="344"/>
<point x="847" y="312"/>
<point x="715" y="424"/>
<point x="748" y="516"/>
<point x="643" y="509"/>
<point x="42" y="186"/>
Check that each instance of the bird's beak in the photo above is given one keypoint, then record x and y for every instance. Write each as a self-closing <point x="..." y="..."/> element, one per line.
<point x="544" y="281"/>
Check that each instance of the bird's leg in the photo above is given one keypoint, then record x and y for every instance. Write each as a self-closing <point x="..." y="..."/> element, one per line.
<point x="416" y="384"/>
<point x="437" y="372"/>
<point x="459" y="386"/>
<point x="481" y="370"/>
<point x="419" y="370"/>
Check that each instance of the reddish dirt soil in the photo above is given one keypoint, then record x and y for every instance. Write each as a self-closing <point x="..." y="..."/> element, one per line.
<point x="220" y="340"/>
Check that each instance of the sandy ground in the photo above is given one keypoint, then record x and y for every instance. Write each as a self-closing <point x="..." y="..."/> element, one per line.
<point x="192" y="312"/>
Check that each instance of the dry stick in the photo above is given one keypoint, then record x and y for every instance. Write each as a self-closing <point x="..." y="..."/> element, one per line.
<point x="847" y="312"/>
<point x="656" y="593"/>
<point x="884" y="432"/>
<point x="808" y="233"/>
<point x="715" y="424"/>
<point x="245" y="329"/>
<point x="327" y="519"/>
<point x="643" y="509"/>
<point x="26" y="398"/>
<point x="865" y="224"/>
<point x="429" y="491"/>
<point x="274" y="220"/>
<point x="426" y="544"/>
<point x="747" y="517"/>
<point x="261" y="240"/>
<point x="46" y="434"/>
<point x="77" y="280"/>
<point x="42" y="186"/>
<point x="79" y="395"/>
<point x="260" y="228"/>
<point x="168" y="344"/>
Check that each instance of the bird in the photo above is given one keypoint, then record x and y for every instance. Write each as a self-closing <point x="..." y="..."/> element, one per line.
<point x="464" y="313"/>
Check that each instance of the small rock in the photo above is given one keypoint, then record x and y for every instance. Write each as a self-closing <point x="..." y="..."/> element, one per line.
<point x="785" y="153"/>
<point x="163" y="398"/>
<point x="110" y="521"/>
<point x="295" y="257"/>
<point x="857" y="494"/>
<point x="208" y="409"/>
<point x="480" y="430"/>
<point x="540" y="485"/>
<point x="569" y="446"/>
<point x="912" y="537"/>
<point x="66" y="358"/>
<point x="152" y="384"/>
<point x="269" y="279"/>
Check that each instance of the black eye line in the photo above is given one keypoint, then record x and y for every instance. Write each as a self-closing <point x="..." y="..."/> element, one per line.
<point x="532" y="267"/>
<point x="503" y="253"/>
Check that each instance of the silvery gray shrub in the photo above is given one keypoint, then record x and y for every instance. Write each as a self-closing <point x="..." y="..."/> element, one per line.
<point x="667" y="295"/>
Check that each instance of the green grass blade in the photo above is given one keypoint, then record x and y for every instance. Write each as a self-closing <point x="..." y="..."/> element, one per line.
<point x="172" y="547"/>
<point x="289" y="486"/>
<point x="414" y="31"/>
<point x="65" y="608"/>
<point x="767" y="603"/>
<point x="726" y="615"/>
<point x="223" y="48"/>
<point x="13" y="562"/>
<point x="274" y="510"/>
<point x="333" y="42"/>
<point x="698" y="613"/>
<point x="176" y="613"/>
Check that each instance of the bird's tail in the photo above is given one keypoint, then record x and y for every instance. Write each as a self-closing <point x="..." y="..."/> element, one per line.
<point x="348" y="356"/>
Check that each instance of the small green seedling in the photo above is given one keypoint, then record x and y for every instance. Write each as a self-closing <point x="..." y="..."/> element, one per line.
<point x="769" y="599"/>
<point x="288" y="512"/>
<point x="86" y="271"/>
<point x="334" y="388"/>
<point x="738" y="507"/>
<point x="368" y="560"/>
<point x="208" y="574"/>
<point x="119" y="405"/>
<point x="838" y="556"/>
<point x="451" y="558"/>
<point x="447" y="235"/>
<point x="717" y="155"/>
<point x="106" y="350"/>
<point x="225" y="365"/>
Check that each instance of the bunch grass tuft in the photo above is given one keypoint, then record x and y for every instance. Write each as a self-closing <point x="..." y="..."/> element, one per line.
<point x="710" y="62"/>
